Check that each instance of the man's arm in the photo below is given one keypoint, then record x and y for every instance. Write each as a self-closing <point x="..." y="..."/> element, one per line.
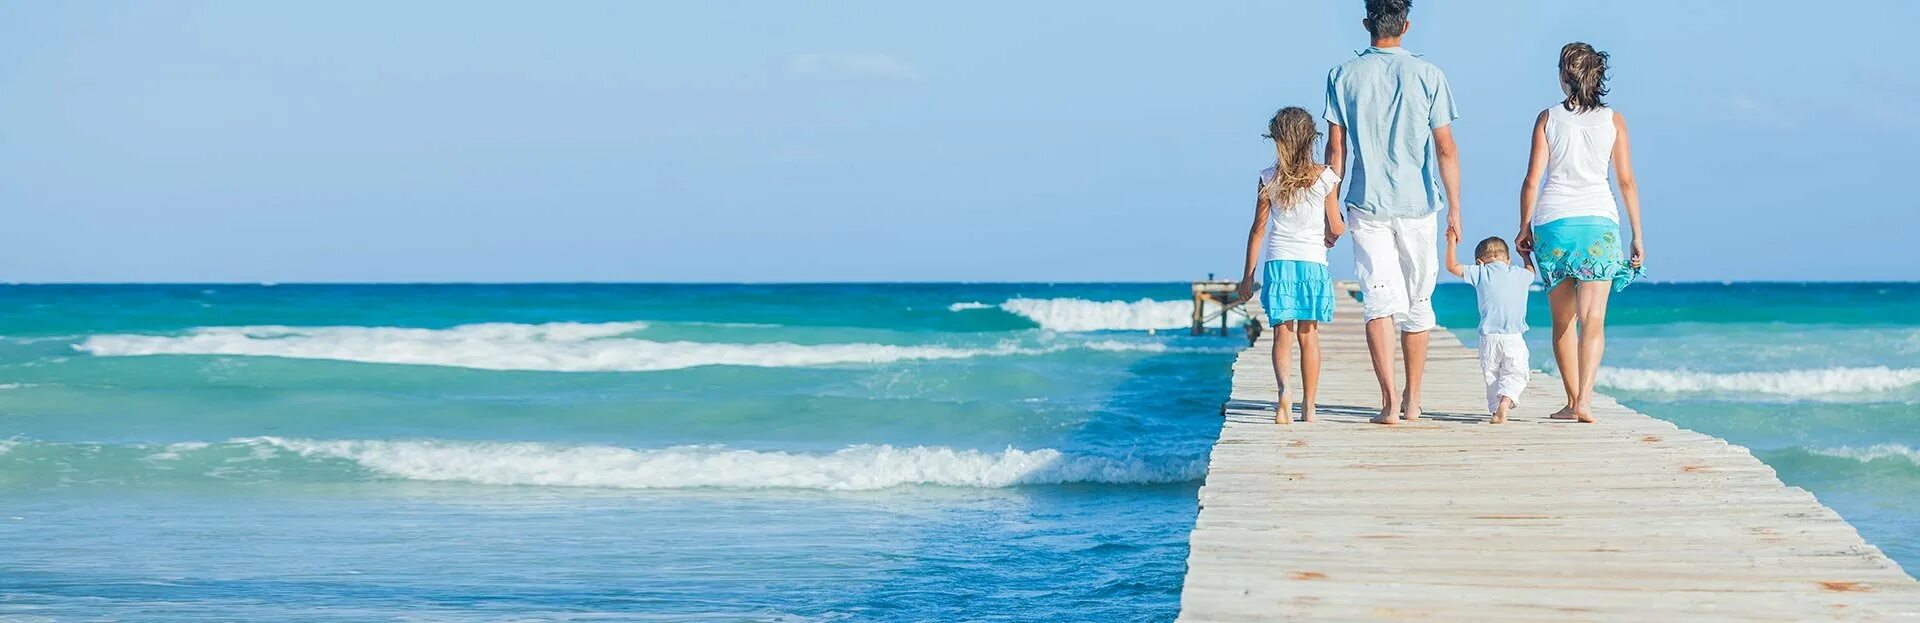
<point x="1449" y="174"/>
<point x="1337" y="155"/>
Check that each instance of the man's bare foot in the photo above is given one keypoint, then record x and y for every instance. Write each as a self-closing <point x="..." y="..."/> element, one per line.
<point x="1565" y="413"/>
<point x="1410" y="413"/>
<point x="1306" y="413"/>
<point x="1388" y="415"/>
<point x="1500" y="414"/>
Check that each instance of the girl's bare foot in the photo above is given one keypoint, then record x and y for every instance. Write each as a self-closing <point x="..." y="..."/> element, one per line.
<point x="1306" y="413"/>
<point x="1565" y="413"/>
<point x="1500" y="414"/>
<point x="1283" y="415"/>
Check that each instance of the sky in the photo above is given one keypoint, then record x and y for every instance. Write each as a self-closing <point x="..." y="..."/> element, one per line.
<point x="884" y="141"/>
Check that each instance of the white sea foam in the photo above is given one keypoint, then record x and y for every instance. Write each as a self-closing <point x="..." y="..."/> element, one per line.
<point x="1084" y="315"/>
<point x="1873" y="453"/>
<point x="968" y="306"/>
<point x="863" y="467"/>
<point x="1788" y="383"/>
<point x="563" y="347"/>
<point x="1152" y="347"/>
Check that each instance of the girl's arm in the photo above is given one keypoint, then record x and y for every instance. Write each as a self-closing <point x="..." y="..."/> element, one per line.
<point x="1336" y="225"/>
<point x="1530" y="189"/>
<point x="1629" y="189"/>
<point x="1254" y="236"/>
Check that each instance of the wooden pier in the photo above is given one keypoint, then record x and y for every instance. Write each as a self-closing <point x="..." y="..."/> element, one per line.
<point x="1453" y="519"/>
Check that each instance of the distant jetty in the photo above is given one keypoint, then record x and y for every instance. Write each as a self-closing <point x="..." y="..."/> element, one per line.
<point x="1450" y="518"/>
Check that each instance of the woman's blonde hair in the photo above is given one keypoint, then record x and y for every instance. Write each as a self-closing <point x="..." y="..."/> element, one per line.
<point x="1583" y="70"/>
<point x="1294" y="133"/>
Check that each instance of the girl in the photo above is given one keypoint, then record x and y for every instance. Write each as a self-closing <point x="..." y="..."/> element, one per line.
<point x="1572" y="227"/>
<point x="1296" y="218"/>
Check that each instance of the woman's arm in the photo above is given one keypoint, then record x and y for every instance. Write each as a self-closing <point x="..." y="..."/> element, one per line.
<point x="1530" y="189"/>
<point x="1629" y="189"/>
<point x="1254" y="236"/>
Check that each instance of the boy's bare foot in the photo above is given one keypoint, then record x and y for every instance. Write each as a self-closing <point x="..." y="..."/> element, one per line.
<point x="1306" y="413"/>
<point x="1500" y="414"/>
<point x="1565" y="413"/>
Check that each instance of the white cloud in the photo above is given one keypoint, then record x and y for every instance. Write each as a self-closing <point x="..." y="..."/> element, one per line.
<point x="851" y="66"/>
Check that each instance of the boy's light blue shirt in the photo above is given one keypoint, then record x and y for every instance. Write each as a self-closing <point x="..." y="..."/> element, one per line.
<point x="1390" y="101"/>
<point x="1502" y="289"/>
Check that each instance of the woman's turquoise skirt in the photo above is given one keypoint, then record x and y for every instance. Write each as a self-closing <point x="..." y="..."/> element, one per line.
<point x="1297" y="290"/>
<point x="1583" y="248"/>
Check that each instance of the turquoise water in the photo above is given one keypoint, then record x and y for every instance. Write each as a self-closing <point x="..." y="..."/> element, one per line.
<point x="757" y="453"/>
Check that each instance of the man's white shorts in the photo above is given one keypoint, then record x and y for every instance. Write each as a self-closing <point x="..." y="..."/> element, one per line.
<point x="1397" y="266"/>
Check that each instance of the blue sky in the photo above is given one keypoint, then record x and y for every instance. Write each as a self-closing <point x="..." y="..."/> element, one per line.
<point x="784" y="141"/>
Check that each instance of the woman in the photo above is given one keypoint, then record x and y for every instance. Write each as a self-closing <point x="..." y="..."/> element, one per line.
<point x="1571" y="227"/>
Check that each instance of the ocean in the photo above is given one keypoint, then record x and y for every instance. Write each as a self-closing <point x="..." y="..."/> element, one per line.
<point x="869" y="452"/>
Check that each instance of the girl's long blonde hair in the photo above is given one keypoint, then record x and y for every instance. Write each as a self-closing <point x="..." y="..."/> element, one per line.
<point x="1294" y="133"/>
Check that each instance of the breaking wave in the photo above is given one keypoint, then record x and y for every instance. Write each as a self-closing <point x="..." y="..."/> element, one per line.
<point x="1873" y="453"/>
<point x="1068" y="314"/>
<point x="1788" y="383"/>
<point x="561" y="347"/>
<point x="854" y="468"/>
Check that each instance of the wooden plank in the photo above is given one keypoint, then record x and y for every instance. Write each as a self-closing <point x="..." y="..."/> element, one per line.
<point x="1450" y="518"/>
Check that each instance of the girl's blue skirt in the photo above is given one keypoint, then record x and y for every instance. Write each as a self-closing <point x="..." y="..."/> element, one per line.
<point x="1582" y="248"/>
<point x="1297" y="290"/>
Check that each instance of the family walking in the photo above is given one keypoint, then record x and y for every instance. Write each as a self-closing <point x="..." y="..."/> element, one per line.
<point x="1392" y="112"/>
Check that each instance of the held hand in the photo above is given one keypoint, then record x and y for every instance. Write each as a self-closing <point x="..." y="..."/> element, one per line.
<point x="1636" y="256"/>
<point x="1330" y="237"/>
<point x="1453" y="237"/>
<point x="1245" y="290"/>
<point x="1523" y="243"/>
<point x="1453" y="226"/>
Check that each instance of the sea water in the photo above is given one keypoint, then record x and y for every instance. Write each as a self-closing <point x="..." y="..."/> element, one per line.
<point x="753" y="453"/>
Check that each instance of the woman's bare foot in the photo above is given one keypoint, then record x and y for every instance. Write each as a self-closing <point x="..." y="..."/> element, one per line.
<point x="1565" y="413"/>
<point x="1584" y="413"/>
<point x="1306" y="413"/>
<point x="1500" y="414"/>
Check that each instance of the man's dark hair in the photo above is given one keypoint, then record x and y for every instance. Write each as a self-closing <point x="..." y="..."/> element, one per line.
<point x="1490" y="249"/>
<point x="1388" y="18"/>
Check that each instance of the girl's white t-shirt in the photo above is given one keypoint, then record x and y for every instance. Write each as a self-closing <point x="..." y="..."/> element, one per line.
<point x="1296" y="230"/>
<point x="1579" y="157"/>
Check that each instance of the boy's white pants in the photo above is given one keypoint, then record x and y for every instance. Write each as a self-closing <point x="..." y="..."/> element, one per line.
<point x="1503" y="363"/>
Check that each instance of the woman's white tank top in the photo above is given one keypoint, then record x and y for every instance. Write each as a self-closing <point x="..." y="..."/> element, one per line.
<point x="1579" y="157"/>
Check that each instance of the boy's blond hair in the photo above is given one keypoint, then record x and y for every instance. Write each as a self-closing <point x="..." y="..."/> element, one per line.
<point x="1490" y="249"/>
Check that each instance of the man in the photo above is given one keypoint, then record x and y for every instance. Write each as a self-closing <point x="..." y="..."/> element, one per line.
<point x="1393" y="111"/>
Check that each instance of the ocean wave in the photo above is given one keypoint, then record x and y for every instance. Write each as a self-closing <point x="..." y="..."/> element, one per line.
<point x="853" y="468"/>
<point x="1068" y="314"/>
<point x="1872" y="453"/>
<point x="558" y="347"/>
<point x="1788" y="383"/>
<point x="967" y="306"/>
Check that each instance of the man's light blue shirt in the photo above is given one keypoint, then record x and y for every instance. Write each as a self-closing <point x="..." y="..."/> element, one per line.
<point x="1390" y="101"/>
<point x="1502" y="290"/>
